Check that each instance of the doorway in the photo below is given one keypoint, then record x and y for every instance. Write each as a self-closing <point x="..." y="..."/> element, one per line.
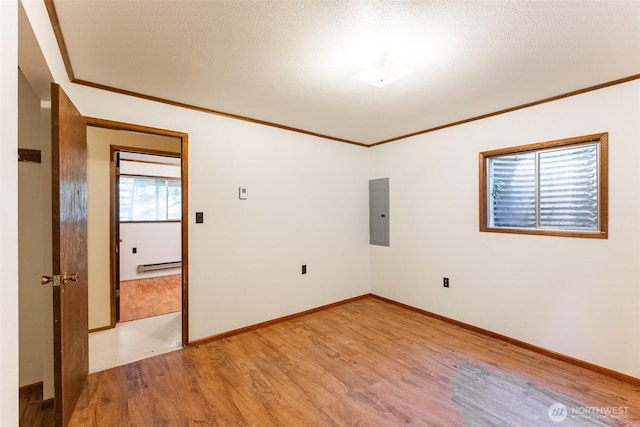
<point x="115" y="142"/>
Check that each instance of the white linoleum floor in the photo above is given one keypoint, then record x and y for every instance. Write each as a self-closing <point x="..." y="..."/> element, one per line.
<point x="134" y="340"/>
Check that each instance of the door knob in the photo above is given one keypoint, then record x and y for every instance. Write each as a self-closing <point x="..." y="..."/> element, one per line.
<point x="57" y="279"/>
<point x="69" y="277"/>
<point x="46" y="279"/>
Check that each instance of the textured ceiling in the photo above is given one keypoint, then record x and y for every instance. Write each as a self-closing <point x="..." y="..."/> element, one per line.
<point x="290" y="62"/>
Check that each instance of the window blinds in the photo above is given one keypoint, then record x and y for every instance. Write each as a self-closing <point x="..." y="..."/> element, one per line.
<point x="556" y="188"/>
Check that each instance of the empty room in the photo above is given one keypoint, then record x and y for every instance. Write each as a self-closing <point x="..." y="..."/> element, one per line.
<point x="382" y="213"/>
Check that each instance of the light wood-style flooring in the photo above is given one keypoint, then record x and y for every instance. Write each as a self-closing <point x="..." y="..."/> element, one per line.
<point x="364" y="363"/>
<point x="150" y="297"/>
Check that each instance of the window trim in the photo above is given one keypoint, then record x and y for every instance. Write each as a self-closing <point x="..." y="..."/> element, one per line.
<point x="603" y="186"/>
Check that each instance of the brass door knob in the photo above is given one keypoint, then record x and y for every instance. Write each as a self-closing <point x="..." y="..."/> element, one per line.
<point x="48" y="279"/>
<point x="69" y="277"/>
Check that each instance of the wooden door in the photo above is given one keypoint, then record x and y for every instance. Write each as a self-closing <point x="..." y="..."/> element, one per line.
<point x="70" y="302"/>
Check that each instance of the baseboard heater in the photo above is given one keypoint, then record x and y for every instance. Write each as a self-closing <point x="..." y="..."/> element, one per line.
<point x="159" y="266"/>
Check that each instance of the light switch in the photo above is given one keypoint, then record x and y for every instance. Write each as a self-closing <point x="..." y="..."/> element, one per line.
<point x="244" y="192"/>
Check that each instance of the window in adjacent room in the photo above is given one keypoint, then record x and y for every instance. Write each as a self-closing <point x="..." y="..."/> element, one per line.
<point x="145" y="198"/>
<point x="552" y="188"/>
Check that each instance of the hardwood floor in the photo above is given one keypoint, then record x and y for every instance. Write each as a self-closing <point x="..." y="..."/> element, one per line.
<point x="366" y="363"/>
<point x="150" y="297"/>
<point x="31" y="411"/>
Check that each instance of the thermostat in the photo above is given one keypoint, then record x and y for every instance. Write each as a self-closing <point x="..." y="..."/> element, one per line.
<point x="243" y="193"/>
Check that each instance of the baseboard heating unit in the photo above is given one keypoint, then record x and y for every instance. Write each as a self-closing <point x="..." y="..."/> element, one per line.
<point x="159" y="266"/>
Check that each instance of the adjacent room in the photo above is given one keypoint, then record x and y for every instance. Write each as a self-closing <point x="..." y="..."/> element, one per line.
<point x="320" y="213"/>
<point x="149" y="214"/>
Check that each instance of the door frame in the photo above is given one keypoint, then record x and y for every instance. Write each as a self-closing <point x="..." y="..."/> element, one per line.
<point x="184" y="178"/>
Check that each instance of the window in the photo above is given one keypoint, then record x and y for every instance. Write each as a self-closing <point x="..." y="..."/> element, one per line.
<point x="554" y="188"/>
<point x="150" y="198"/>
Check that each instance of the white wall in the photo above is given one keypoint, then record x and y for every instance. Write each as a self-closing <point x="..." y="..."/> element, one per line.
<point x="30" y="232"/>
<point x="155" y="242"/>
<point x="99" y="142"/>
<point x="8" y="213"/>
<point x="34" y="262"/>
<point x="307" y="204"/>
<point x="578" y="297"/>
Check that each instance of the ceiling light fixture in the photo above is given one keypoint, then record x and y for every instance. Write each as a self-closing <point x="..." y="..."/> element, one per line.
<point x="381" y="73"/>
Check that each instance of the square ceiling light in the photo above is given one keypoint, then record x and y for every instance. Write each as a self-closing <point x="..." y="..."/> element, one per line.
<point x="382" y="72"/>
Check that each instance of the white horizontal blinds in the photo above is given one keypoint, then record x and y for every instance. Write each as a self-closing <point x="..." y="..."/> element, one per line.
<point x="145" y="199"/>
<point x="149" y="199"/>
<point x="569" y="188"/>
<point x="513" y="191"/>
